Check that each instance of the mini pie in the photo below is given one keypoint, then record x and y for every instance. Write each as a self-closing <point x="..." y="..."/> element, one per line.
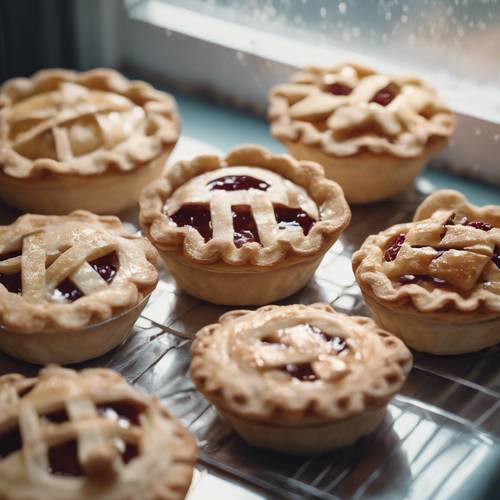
<point x="298" y="379"/>
<point x="250" y="228"/>
<point x="87" y="140"/>
<point x="372" y="133"/>
<point x="66" y="435"/>
<point x="71" y="287"/>
<point x="435" y="282"/>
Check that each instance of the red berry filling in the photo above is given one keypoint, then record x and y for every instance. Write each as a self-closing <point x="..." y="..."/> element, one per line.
<point x="304" y="371"/>
<point x="13" y="282"/>
<point x="496" y="256"/>
<point x="392" y="252"/>
<point x="56" y="417"/>
<point x="384" y="96"/>
<point x="245" y="229"/>
<point x="106" y="266"/>
<point x="126" y="413"/>
<point x="197" y="216"/>
<point x="337" y="88"/>
<point x="10" y="255"/>
<point x="10" y="441"/>
<point x="293" y="217"/>
<point x="63" y="459"/>
<point x="237" y="182"/>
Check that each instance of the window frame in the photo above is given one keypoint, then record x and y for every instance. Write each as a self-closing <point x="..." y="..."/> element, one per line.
<point x="204" y="55"/>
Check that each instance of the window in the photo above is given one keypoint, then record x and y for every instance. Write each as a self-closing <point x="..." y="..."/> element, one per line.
<point x="237" y="49"/>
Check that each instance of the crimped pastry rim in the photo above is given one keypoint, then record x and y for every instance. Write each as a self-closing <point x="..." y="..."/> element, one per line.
<point x="481" y="306"/>
<point x="111" y="161"/>
<point x="216" y="381"/>
<point x="90" y="310"/>
<point x="309" y="175"/>
<point x="287" y="129"/>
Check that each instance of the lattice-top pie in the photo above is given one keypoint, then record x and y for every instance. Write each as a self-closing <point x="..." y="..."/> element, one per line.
<point x="302" y="379"/>
<point x="88" y="140"/>
<point x="372" y="132"/>
<point x="66" y="435"/>
<point x="247" y="229"/>
<point x="63" y="276"/>
<point x="436" y="281"/>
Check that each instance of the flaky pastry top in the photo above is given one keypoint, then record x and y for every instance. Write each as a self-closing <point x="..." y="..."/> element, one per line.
<point x="447" y="261"/>
<point x="297" y="364"/>
<point x="68" y="435"/>
<point x="65" y="122"/>
<point x="275" y="184"/>
<point x="67" y="272"/>
<point x="349" y="108"/>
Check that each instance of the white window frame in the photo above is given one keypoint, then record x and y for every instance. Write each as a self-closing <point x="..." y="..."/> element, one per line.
<point x="203" y="54"/>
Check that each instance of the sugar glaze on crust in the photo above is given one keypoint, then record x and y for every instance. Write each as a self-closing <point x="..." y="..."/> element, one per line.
<point x="449" y="240"/>
<point x="61" y="122"/>
<point x="292" y="183"/>
<point x="358" y="119"/>
<point x="237" y="367"/>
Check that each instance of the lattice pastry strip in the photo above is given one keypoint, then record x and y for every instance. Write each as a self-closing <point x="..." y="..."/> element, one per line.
<point x="77" y="435"/>
<point x="348" y="107"/>
<point x="296" y="360"/>
<point x="80" y="259"/>
<point x="82" y="123"/>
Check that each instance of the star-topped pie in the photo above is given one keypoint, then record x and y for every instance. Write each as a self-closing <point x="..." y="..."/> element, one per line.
<point x="87" y="140"/>
<point x="373" y="133"/>
<point x="250" y="228"/>
<point x="435" y="282"/>
<point x="71" y="287"/>
<point x="66" y="435"/>
<point x="298" y="379"/>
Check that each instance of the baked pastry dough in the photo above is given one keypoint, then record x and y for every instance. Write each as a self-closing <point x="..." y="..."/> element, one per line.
<point x="66" y="435"/>
<point x="372" y="133"/>
<point x="71" y="287"/>
<point x="250" y="228"/>
<point x="298" y="379"/>
<point x="87" y="140"/>
<point x="435" y="282"/>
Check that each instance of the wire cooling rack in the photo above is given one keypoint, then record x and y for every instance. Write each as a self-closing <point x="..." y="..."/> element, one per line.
<point x="440" y="437"/>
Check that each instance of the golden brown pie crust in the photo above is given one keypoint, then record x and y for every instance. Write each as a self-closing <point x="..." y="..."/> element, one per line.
<point x="38" y="324"/>
<point x="165" y="451"/>
<point x="372" y="150"/>
<point x="460" y="312"/>
<point x="217" y="270"/>
<point x="69" y="139"/>
<point x="238" y="364"/>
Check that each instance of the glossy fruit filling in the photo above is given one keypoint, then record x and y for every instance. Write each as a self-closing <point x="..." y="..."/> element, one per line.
<point x="13" y="282"/>
<point x="237" y="183"/>
<point x="392" y="252"/>
<point x="126" y="413"/>
<point x="496" y="256"/>
<point x="304" y="371"/>
<point x="56" y="417"/>
<point x="10" y="442"/>
<point x="10" y="255"/>
<point x="106" y="266"/>
<point x="63" y="459"/>
<point x="337" y="88"/>
<point x="245" y="229"/>
<point x="385" y="96"/>
<point x="196" y="215"/>
<point x="288" y="217"/>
